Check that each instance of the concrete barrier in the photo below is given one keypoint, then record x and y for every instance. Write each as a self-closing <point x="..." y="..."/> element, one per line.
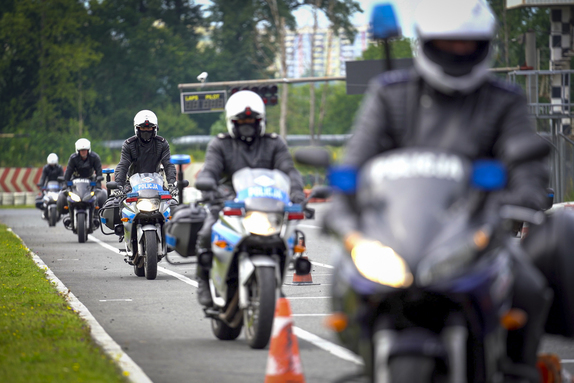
<point x="7" y="198"/>
<point x="19" y="198"/>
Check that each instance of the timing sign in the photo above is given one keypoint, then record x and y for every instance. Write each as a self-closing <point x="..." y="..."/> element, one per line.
<point x="203" y="102"/>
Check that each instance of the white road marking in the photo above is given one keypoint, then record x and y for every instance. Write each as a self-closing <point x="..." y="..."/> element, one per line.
<point x="322" y="265"/>
<point x="567" y="361"/>
<point x="310" y="226"/>
<point x="309" y="315"/>
<point x="330" y="347"/>
<point x="134" y="373"/>
<point x="292" y="298"/>
<point x="103" y="244"/>
<point x="63" y="259"/>
<point x="116" y="300"/>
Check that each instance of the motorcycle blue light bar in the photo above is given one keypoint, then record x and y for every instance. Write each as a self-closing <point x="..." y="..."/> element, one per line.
<point x="488" y="175"/>
<point x="70" y="183"/>
<point x="343" y="178"/>
<point x="108" y="170"/>
<point x="384" y="24"/>
<point x="133" y="195"/>
<point x="92" y="184"/>
<point x="164" y="192"/>
<point x="295" y="208"/>
<point x="180" y="159"/>
<point x="234" y="205"/>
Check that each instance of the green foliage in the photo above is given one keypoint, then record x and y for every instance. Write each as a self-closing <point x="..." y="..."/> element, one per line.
<point x="400" y="48"/>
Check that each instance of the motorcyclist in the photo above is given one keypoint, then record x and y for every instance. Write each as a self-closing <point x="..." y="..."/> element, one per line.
<point x="83" y="163"/>
<point x="145" y="152"/>
<point x="245" y="145"/>
<point x="450" y="101"/>
<point x="51" y="171"/>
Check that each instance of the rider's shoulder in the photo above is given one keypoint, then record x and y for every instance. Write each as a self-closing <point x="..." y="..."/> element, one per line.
<point x="131" y="139"/>
<point x="395" y="77"/>
<point x="159" y="138"/>
<point x="506" y="86"/>
<point x="223" y="136"/>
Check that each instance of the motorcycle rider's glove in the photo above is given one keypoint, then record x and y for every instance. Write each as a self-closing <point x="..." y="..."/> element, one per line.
<point x="297" y="196"/>
<point x="118" y="191"/>
<point x="173" y="190"/>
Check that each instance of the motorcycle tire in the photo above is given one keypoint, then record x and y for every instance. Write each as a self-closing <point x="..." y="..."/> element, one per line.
<point x="223" y="332"/>
<point x="150" y="255"/>
<point x="139" y="270"/>
<point x="258" y="316"/>
<point x="408" y="369"/>
<point x="82" y="228"/>
<point x="52" y="216"/>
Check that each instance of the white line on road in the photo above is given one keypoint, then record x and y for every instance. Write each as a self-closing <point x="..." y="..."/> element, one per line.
<point x="62" y="259"/>
<point x="117" y="300"/>
<point x="322" y="265"/>
<point x="305" y="335"/>
<point x="310" y="226"/>
<point x="292" y="298"/>
<point x="330" y="347"/>
<point x="309" y="315"/>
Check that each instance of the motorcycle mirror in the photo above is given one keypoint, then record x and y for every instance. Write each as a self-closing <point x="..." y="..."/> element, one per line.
<point x="205" y="184"/>
<point x="99" y="178"/>
<point x="111" y="185"/>
<point x="321" y="192"/>
<point x="524" y="149"/>
<point x="183" y="183"/>
<point x="316" y="157"/>
<point x="61" y="178"/>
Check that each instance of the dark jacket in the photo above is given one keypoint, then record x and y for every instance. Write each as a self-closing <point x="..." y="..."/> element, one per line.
<point x="226" y="155"/>
<point x="51" y="173"/>
<point x="144" y="157"/>
<point x="400" y="110"/>
<point x="78" y="168"/>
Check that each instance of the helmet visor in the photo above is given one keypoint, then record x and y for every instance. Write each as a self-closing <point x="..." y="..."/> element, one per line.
<point x="453" y="63"/>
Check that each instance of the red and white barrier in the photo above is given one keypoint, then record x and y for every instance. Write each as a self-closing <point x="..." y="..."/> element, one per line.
<point x="19" y="179"/>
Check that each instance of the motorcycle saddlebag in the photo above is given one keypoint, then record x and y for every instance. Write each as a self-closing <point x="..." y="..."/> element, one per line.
<point x="181" y="230"/>
<point x="110" y="212"/>
<point x="550" y="247"/>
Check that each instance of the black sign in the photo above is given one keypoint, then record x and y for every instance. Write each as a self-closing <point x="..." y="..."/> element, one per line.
<point x="203" y="102"/>
<point x="359" y="73"/>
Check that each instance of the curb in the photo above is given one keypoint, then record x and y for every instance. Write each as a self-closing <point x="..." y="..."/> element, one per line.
<point x="129" y="368"/>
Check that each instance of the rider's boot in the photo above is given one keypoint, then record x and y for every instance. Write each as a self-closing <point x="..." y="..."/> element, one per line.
<point x="203" y="293"/>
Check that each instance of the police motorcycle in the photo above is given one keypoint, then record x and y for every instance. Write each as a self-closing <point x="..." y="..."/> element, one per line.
<point x="142" y="213"/>
<point x="81" y="196"/>
<point x="48" y="202"/>
<point x="252" y="245"/>
<point x="422" y="292"/>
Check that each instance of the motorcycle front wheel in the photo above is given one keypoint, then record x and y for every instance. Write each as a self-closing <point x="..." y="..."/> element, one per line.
<point x="258" y="315"/>
<point x="81" y="226"/>
<point x="407" y="369"/>
<point x="150" y="255"/>
<point x="223" y="331"/>
<point x="52" y="215"/>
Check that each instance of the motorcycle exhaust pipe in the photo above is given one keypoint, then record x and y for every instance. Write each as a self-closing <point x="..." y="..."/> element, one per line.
<point x="228" y="315"/>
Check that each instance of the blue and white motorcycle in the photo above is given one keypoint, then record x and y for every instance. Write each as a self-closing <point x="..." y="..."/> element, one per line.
<point x="252" y="244"/>
<point x="49" y="201"/>
<point x="144" y="211"/>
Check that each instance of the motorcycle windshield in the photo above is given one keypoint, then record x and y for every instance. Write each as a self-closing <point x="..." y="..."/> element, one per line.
<point x="147" y="184"/>
<point x="262" y="189"/>
<point x="53" y="186"/>
<point x="82" y="186"/>
<point x="411" y="198"/>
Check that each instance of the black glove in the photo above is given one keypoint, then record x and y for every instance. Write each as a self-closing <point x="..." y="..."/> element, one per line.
<point x="118" y="191"/>
<point x="309" y="213"/>
<point x="297" y="196"/>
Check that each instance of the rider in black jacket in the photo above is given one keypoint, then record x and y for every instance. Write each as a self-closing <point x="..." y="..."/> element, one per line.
<point x="144" y="152"/>
<point x="450" y="101"/>
<point x="245" y="145"/>
<point x="83" y="164"/>
<point x="51" y="170"/>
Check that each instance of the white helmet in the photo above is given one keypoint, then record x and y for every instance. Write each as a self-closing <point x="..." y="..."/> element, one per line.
<point x="471" y="20"/>
<point x="245" y="104"/>
<point x="52" y="159"/>
<point x="145" y="118"/>
<point x="83" y="144"/>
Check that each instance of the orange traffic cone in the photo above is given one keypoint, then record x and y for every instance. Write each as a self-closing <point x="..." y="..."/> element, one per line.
<point x="283" y="363"/>
<point x="551" y="370"/>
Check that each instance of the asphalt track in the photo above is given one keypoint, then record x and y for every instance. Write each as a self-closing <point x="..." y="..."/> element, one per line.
<point x="160" y="326"/>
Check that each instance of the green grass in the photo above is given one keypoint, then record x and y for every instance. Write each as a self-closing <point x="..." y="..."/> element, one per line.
<point x="17" y="207"/>
<point x="41" y="338"/>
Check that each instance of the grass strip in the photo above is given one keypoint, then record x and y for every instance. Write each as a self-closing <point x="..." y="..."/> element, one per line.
<point x="41" y="338"/>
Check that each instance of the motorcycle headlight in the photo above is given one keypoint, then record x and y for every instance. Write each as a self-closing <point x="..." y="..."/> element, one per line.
<point x="260" y="223"/>
<point x="446" y="261"/>
<point x="381" y="264"/>
<point x="74" y="197"/>
<point x="147" y="204"/>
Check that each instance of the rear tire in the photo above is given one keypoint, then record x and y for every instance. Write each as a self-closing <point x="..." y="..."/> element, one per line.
<point x="223" y="331"/>
<point x="81" y="227"/>
<point x="150" y="255"/>
<point x="258" y="316"/>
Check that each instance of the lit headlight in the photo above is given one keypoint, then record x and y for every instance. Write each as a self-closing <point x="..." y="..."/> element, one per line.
<point x="260" y="223"/>
<point x="381" y="264"/>
<point x="146" y="204"/>
<point x="74" y="197"/>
